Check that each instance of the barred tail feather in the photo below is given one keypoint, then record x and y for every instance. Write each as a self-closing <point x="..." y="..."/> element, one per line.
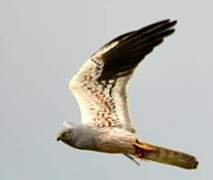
<point x="164" y="155"/>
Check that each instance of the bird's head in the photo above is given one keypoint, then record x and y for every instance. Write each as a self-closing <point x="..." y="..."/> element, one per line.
<point x="79" y="136"/>
<point x="67" y="133"/>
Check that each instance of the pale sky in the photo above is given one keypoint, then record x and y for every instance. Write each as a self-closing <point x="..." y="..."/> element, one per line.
<point x="44" y="42"/>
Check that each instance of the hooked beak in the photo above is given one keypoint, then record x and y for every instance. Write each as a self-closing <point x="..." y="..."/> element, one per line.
<point x="58" y="138"/>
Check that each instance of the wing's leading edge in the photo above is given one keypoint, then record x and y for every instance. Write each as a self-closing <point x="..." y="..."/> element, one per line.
<point x="100" y="84"/>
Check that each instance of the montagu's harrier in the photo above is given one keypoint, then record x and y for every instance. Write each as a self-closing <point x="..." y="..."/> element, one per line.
<point x="100" y="89"/>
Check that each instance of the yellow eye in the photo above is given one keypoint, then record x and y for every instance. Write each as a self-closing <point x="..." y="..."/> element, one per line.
<point x="66" y="135"/>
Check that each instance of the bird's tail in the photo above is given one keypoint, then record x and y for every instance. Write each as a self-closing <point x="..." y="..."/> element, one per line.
<point x="164" y="155"/>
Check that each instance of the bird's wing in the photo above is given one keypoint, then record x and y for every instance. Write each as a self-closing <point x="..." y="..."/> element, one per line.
<point x="100" y="84"/>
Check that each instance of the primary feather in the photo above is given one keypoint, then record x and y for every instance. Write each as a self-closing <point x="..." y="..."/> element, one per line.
<point x="100" y="89"/>
<point x="100" y="84"/>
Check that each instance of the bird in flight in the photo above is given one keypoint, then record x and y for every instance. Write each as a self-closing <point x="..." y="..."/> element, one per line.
<point x="100" y="90"/>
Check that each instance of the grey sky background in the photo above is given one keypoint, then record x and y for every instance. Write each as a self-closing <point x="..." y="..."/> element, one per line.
<point x="43" y="43"/>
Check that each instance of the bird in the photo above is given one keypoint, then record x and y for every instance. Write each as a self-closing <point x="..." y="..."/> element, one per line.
<point x="99" y="87"/>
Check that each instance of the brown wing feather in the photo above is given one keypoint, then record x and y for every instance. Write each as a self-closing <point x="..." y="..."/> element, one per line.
<point x="100" y="84"/>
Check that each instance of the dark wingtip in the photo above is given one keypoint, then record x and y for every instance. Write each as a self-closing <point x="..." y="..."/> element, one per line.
<point x="173" y="22"/>
<point x="168" y="20"/>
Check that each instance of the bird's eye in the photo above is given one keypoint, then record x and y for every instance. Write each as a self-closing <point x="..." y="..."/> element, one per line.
<point x="67" y="135"/>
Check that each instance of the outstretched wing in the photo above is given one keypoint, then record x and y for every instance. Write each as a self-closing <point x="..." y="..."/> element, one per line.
<point x="100" y="84"/>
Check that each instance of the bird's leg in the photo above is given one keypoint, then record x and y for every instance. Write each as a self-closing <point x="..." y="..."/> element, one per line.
<point x="142" y="148"/>
<point x="133" y="159"/>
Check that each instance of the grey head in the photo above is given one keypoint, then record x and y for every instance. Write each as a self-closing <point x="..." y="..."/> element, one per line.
<point x="78" y="136"/>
